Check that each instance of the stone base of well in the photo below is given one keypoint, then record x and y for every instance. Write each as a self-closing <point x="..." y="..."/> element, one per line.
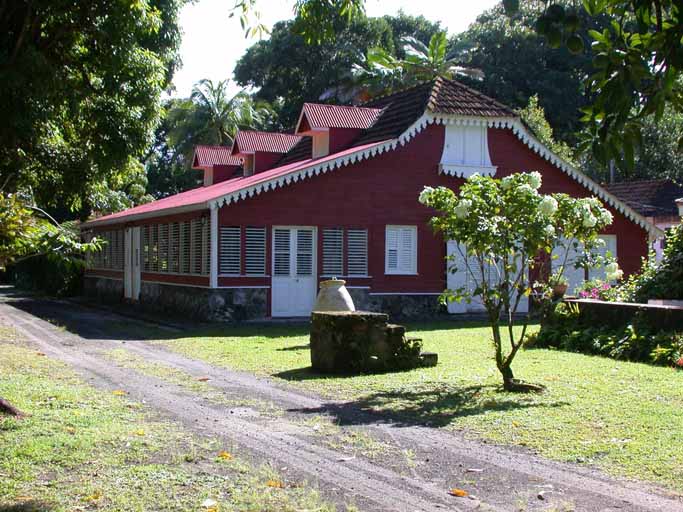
<point x="361" y="341"/>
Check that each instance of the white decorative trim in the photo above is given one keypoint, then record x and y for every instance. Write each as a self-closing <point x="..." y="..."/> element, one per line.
<point x="322" y="167"/>
<point x="521" y="132"/>
<point x="405" y="293"/>
<point x="177" y="284"/>
<point x="465" y="171"/>
<point x="96" y="276"/>
<point x="95" y="223"/>
<point x="243" y="276"/>
<point x="357" y="287"/>
<point x="240" y="287"/>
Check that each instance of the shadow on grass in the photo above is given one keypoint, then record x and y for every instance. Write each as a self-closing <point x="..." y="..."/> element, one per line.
<point x="434" y="405"/>
<point x="294" y="347"/>
<point x="27" y="506"/>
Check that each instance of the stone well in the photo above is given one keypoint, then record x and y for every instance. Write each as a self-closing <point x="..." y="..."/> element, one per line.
<point x="359" y="341"/>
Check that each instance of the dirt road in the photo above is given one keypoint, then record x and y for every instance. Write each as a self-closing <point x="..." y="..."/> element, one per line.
<point x="352" y="455"/>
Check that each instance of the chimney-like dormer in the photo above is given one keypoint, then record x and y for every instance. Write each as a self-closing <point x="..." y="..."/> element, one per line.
<point x="217" y="163"/>
<point x="260" y="151"/>
<point x="679" y="203"/>
<point x="333" y="127"/>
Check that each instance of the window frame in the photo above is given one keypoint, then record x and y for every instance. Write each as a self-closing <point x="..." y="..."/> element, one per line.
<point x="413" y="259"/>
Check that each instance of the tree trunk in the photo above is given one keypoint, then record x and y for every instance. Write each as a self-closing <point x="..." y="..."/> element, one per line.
<point x="8" y="408"/>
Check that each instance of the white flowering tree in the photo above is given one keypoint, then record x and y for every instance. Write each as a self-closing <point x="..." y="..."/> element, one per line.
<point x="506" y="231"/>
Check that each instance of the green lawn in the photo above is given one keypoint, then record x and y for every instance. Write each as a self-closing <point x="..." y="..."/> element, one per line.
<point x="626" y="418"/>
<point x="85" y="449"/>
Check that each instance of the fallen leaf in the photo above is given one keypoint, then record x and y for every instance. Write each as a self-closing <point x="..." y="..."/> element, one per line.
<point x="140" y="432"/>
<point x="275" y="483"/>
<point x="210" y="505"/>
<point x="458" y="492"/>
<point x="515" y="424"/>
<point x="225" y="455"/>
<point x="71" y="430"/>
<point x="119" y="392"/>
<point x="40" y="353"/>
<point x="94" y="496"/>
<point x="203" y="379"/>
<point x="474" y="470"/>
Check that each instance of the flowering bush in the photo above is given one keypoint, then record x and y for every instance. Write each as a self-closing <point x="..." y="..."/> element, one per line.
<point x="597" y="289"/>
<point x="505" y="225"/>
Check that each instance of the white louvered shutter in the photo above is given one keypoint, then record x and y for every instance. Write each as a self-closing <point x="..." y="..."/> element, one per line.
<point x="255" y="251"/>
<point x="281" y="252"/>
<point x="145" y="248"/>
<point x="174" y="248"/>
<point x="333" y="252"/>
<point x="206" y="248"/>
<point x="357" y="255"/>
<point x="401" y="250"/>
<point x="231" y="250"/>
<point x="163" y="248"/>
<point x="185" y="243"/>
<point x="196" y="246"/>
<point x="304" y="252"/>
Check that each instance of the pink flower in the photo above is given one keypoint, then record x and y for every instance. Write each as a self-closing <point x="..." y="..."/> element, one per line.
<point x="679" y="363"/>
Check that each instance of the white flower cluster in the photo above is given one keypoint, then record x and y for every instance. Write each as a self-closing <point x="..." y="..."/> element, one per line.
<point x="425" y="195"/>
<point x="548" y="206"/>
<point x="613" y="272"/>
<point x="535" y="180"/>
<point x="549" y="230"/>
<point x="462" y="209"/>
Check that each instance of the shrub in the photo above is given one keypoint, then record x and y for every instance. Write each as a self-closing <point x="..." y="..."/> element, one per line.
<point x="54" y="276"/>
<point x="637" y="341"/>
<point x="663" y="280"/>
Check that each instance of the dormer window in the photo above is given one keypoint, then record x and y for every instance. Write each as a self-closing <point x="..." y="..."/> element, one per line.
<point x="261" y="150"/>
<point x="333" y="127"/>
<point x="216" y="162"/>
<point x="466" y="151"/>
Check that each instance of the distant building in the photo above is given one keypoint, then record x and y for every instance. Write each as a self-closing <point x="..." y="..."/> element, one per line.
<point x="659" y="201"/>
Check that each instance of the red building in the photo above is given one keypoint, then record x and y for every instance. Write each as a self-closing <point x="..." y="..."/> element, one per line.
<point x="280" y="212"/>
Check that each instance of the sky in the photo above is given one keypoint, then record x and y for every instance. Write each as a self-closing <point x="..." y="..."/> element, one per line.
<point x="213" y="42"/>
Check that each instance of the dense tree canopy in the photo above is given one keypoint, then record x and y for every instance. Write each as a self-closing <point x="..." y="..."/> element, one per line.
<point x="284" y="67"/>
<point x="518" y="63"/>
<point x="80" y="86"/>
<point x="210" y="116"/>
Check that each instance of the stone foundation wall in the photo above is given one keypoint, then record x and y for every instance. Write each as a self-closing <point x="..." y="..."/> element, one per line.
<point x="194" y="303"/>
<point x="101" y="289"/>
<point x="399" y="307"/>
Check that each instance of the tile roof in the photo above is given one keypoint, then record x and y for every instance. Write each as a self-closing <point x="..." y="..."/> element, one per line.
<point x="650" y="198"/>
<point x="206" y="156"/>
<point x="452" y="97"/>
<point x="197" y="199"/>
<point x="339" y="116"/>
<point x="395" y="113"/>
<point x="268" y="142"/>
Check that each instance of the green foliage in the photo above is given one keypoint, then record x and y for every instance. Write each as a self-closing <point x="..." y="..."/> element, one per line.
<point x="502" y="226"/>
<point x="210" y="116"/>
<point x="46" y="255"/>
<point x="518" y="63"/>
<point x="637" y="341"/>
<point x="382" y="72"/>
<point x="663" y="280"/>
<point x="637" y="68"/>
<point x="80" y="86"/>
<point x="58" y="277"/>
<point x="534" y="117"/>
<point x="284" y="67"/>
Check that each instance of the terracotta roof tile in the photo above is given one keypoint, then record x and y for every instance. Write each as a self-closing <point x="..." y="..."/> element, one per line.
<point x="339" y="116"/>
<point x="268" y="142"/>
<point x="650" y="198"/>
<point x="206" y="156"/>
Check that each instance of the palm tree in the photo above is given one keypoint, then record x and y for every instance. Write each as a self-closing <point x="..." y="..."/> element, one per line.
<point x="222" y="115"/>
<point x="382" y="72"/>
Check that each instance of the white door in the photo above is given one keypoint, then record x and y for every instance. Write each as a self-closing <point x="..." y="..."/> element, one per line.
<point x="294" y="271"/>
<point x="462" y="277"/>
<point x="131" y="269"/>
